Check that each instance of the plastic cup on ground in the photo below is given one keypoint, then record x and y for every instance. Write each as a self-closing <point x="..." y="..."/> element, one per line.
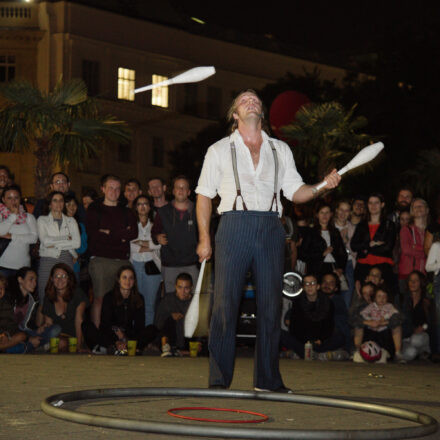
<point x="194" y="348"/>
<point x="73" y="342"/>
<point x="131" y="348"/>
<point x="54" y="343"/>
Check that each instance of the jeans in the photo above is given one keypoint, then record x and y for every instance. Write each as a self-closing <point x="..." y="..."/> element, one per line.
<point x="148" y="285"/>
<point x="49" y="332"/>
<point x="349" y="275"/>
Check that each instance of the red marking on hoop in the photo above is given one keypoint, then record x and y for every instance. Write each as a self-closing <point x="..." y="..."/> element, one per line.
<point x="170" y="412"/>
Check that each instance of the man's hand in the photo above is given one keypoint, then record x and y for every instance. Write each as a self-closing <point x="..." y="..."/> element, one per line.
<point x="176" y="316"/>
<point x="329" y="250"/>
<point x="105" y="231"/>
<point x="162" y="239"/>
<point x="332" y="179"/>
<point x="204" y="250"/>
<point x="8" y="236"/>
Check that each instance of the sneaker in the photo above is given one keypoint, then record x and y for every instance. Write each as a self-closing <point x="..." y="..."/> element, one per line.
<point x="121" y="353"/>
<point x="289" y="354"/>
<point x="99" y="349"/>
<point x="282" y="390"/>
<point x="399" y="358"/>
<point x="166" y="351"/>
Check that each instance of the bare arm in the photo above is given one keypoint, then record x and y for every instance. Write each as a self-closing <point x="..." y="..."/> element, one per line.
<point x="309" y="192"/>
<point x="203" y="211"/>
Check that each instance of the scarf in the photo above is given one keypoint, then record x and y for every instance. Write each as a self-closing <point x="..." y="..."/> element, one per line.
<point x="5" y="213"/>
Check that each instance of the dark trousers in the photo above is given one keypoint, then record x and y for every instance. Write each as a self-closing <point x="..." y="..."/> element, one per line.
<point x="247" y="240"/>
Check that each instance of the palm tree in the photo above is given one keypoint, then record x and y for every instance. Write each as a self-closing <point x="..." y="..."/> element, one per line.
<point x="325" y="136"/>
<point x="60" y="127"/>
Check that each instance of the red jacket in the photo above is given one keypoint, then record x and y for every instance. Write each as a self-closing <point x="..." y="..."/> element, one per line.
<point x="412" y="255"/>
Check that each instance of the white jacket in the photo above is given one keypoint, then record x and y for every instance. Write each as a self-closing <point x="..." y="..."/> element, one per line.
<point x="433" y="260"/>
<point x="16" y="254"/>
<point x="53" y="240"/>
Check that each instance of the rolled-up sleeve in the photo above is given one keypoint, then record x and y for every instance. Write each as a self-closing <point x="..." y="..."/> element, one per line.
<point x="292" y="180"/>
<point x="210" y="176"/>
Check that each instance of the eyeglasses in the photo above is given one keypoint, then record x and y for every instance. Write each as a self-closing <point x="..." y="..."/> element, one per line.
<point x="59" y="181"/>
<point x="310" y="283"/>
<point x="62" y="276"/>
<point x="143" y="204"/>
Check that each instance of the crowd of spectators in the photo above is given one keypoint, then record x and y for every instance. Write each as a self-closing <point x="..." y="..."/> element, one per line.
<point x="120" y="265"/>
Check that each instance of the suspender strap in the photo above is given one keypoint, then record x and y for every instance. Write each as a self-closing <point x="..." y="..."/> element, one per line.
<point x="237" y="180"/>
<point x="275" y="184"/>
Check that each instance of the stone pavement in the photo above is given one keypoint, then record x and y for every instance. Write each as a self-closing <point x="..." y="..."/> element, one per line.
<point x="27" y="379"/>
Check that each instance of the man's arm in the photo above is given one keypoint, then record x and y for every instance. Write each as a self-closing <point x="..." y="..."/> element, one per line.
<point x="306" y="193"/>
<point x="203" y="211"/>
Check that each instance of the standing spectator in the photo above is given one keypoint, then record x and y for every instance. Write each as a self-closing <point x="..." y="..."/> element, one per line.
<point x="346" y="229"/>
<point x="157" y="189"/>
<point x="59" y="237"/>
<point x="323" y="249"/>
<point x="412" y="254"/>
<point x="89" y="195"/>
<point x="373" y="240"/>
<point x="6" y="178"/>
<point x="143" y="251"/>
<point x="132" y="189"/>
<point x="110" y="229"/>
<point x="175" y="229"/>
<point x="358" y="210"/>
<point x="19" y="228"/>
<point x="59" y="182"/>
<point x="403" y="202"/>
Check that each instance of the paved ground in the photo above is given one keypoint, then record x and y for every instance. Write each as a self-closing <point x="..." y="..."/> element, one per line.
<point x="27" y="379"/>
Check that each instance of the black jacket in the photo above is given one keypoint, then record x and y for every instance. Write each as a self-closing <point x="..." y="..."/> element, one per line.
<point x="360" y="241"/>
<point x="313" y="246"/>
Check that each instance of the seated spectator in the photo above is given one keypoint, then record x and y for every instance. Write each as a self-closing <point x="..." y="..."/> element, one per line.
<point x="367" y="292"/>
<point x="59" y="237"/>
<point x="132" y="189"/>
<point x="331" y="287"/>
<point x="170" y="316"/>
<point x="374" y="276"/>
<point x="122" y="318"/>
<point x="417" y="323"/>
<point x="312" y="319"/>
<point x="71" y="210"/>
<point x="145" y="257"/>
<point x="381" y="324"/>
<point x="17" y="228"/>
<point x="25" y="308"/>
<point x="12" y="340"/>
<point x="64" y="305"/>
<point x="323" y="249"/>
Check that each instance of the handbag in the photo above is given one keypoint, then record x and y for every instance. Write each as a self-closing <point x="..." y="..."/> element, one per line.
<point x="151" y="268"/>
<point x="4" y="243"/>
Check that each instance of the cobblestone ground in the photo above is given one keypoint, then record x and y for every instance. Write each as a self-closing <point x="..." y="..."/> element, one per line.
<point x="27" y="379"/>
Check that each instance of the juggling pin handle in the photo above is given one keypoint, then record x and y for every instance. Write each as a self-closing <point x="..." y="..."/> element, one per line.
<point x="324" y="182"/>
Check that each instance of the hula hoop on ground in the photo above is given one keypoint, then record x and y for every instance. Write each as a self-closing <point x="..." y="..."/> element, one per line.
<point x="52" y="406"/>
<point x="263" y="417"/>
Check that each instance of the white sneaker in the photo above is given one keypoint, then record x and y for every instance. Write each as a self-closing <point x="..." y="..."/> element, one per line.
<point x="99" y="349"/>
<point x="166" y="351"/>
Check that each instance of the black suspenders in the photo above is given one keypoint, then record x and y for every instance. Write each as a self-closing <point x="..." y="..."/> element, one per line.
<point x="237" y="180"/>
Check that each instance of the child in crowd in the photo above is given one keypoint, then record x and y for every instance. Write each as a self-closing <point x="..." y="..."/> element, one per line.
<point x="170" y="316"/>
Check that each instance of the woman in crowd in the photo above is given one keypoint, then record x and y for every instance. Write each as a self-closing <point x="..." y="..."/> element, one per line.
<point x="144" y="257"/>
<point x="18" y="230"/>
<point x="346" y="229"/>
<point x="22" y="291"/>
<point x="59" y="237"/>
<point x="122" y="318"/>
<point x="64" y="305"/>
<point x="71" y="210"/>
<point x="322" y="248"/>
<point x="412" y="236"/>
<point x="417" y="322"/>
<point x="373" y="240"/>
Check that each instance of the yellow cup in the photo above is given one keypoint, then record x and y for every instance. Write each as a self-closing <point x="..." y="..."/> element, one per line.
<point x="131" y="348"/>
<point x="73" y="342"/>
<point x="54" y="343"/>
<point x="194" y="347"/>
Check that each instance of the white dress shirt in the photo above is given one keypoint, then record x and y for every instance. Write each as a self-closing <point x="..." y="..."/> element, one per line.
<point x="257" y="185"/>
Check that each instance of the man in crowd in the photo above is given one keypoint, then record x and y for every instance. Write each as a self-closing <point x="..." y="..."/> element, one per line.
<point x="110" y="228"/>
<point x="157" y="190"/>
<point x="176" y="230"/>
<point x="358" y="210"/>
<point x="132" y="189"/>
<point x="247" y="170"/>
<point x="403" y="202"/>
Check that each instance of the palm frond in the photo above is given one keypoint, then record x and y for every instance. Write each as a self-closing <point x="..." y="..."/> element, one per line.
<point x="71" y="93"/>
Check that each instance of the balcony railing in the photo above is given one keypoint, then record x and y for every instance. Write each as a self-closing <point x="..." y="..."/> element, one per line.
<point x="15" y="14"/>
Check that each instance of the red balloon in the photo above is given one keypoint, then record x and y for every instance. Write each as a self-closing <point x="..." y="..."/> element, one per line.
<point x="283" y="110"/>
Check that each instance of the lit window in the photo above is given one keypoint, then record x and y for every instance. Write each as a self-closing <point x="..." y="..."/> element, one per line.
<point x="159" y="95"/>
<point x="126" y="80"/>
<point x="7" y="68"/>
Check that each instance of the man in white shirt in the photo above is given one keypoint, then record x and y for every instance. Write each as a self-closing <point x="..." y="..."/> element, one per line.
<point x="241" y="169"/>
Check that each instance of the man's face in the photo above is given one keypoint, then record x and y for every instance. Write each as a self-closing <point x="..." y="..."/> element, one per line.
<point x="248" y="105"/>
<point x="404" y="198"/>
<point x="328" y="284"/>
<point x="131" y="191"/>
<point x="181" y="190"/>
<point x="358" y="208"/>
<point x="156" y="189"/>
<point x="111" y="190"/>
<point x="60" y="183"/>
<point x="183" y="289"/>
<point x="310" y="286"/>
<point x="4" y="178"/>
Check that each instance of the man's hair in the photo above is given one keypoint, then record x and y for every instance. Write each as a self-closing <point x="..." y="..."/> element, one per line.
<point x="180" y="177"/>
<point x="335" y="277"/>
<point x="106" y="177"/>
<point x="233" y="108"/>
<point x="133" y="180"/>
<point x="405" y="188"/>
<point x="184" y="276"/>
<point x="89" y="192"/>
<point x="155" y="178"/>
<point x="57" y="174"/>
<point x="312" y="275"/>
<point x="358" y="197"/>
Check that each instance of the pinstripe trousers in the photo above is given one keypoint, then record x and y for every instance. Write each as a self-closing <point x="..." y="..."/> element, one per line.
<point x="247" y="240"/>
